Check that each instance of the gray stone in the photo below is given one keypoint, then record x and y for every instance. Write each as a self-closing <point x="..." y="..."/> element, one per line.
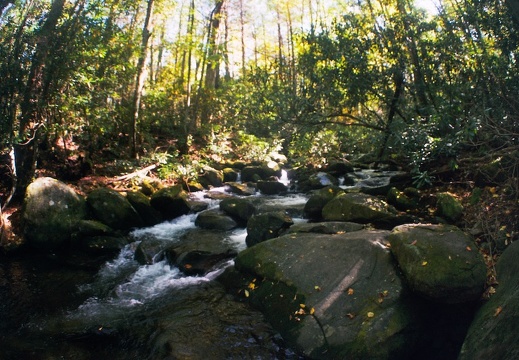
<point x="440" y="262"/>
<point x="51" y="213"/>
<point x="215" y="219"/>
<point x="356" y="207"/>
<point x="332" y="296"/>
<point x="113" y="209"/>
<point x="266" y="226"/>
<point x="493" y="332"/>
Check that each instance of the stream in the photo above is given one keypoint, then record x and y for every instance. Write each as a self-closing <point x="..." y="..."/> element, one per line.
<point x="55" y="308"/>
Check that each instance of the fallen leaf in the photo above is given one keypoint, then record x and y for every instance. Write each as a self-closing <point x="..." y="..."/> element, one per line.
<point x="371" y="314"/>
<point x="468" y="248"/>
<point x="414" y="242"/>
<point x="247" y="293"/>
<point x="498" y="311"/>
<point x="424" y="263"/>
<point x="302" y="306"/>
<point x="188" y="266"/>
<point x="350" y="315"/>
<point x="317" y="288"/>
<point x="350" y="291"/>
<point x="312" y="311"/>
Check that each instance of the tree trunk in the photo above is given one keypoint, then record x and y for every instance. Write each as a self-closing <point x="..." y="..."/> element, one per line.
<point x="141" y="76"/>
<point x="31" y="117"/>
<point x="393" y="107"/>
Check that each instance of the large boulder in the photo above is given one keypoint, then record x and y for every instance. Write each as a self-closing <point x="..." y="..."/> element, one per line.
<point x="332" y="296"/>
<point x="440" y="262"/>
<point x="270" y="187"/>
<point x="141" y="204"/>
<point x="113" y="209"/>
<point x="493" y="332"/>
<point x="261" y="172"/>
<point x="356" y="207"/>
<point x="314" y="206"/>
<point x="240" y="189"/>
<point x="266" y="226"/>
<point x="215" y="219"/>
<point x="51" y="213"/>
<point x="339" y="168"/>
<point x="171" y="202"/>
<point x="210" y="177"/>
<point x="328" y="227"/>
<point x="239" y="208"/>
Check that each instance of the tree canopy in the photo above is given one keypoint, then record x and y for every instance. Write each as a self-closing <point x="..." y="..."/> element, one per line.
<point x="171" y="81"/>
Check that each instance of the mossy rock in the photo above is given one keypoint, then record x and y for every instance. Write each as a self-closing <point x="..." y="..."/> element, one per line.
<point x="493" y="332"/>
<point x="448" y="207"/>
<point x="439" y="262"/>
<point x="356" y="207"/>
<point x="113" y="209"/>
<point x="332" y="296"/>
<point x="319" y="198"/>
<point x="171" y="202"/>
<point x="51" y="213"/>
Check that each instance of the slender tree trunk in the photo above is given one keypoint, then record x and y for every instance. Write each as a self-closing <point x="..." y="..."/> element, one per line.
<point x="419" y="81"/>
<point x="212" y="51"/>
<point x="393" y="108"/>
<point x="141" y="76"/>
<point x="31" y="117"/>
<point x="242" y="30"/>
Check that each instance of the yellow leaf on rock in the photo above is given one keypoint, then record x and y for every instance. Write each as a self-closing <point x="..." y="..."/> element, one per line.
<point x="312" y="311"/>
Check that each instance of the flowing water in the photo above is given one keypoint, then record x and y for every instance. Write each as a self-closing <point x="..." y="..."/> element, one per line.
<point x="55" y="308"/>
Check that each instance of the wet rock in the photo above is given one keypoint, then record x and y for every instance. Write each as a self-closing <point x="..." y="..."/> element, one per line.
<point x="113" y="209"/>
<point x="51" y="212"/>
<point x="448" y="207"/>
<point x="215" y="219"/>
<point x="104" y="245"/>
<point x="239" y="208"/>
<point x="266" y="226"/>
<point x="141" y="204"/>
<point x="331" y="227"/>
<point x="440" y="262"/>
<point x="339" y="168"/>
<point x="261" y="172"/>
<point x="493" y="332"/>
<point x="333" y="296"/>
<point x="319" y="198"/>
<point x="356" y="207"/>
<point x="189" y="326"/>
<point x="230" y="175"/>
<point x="199" y="262"/>
<point x="271" y="187"/>
<point x="171" y="202"/>
<point x="210" y="177"/>
<point x="149" y="251"/>
<point x="321" y="179"/>
<point x="240" y="189"/>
